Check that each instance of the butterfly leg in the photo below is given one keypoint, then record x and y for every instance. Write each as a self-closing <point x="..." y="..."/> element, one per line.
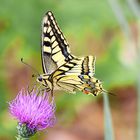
<point x="52" y="90"/>
<point x="32" y="88"/>
<point x="47" y="89"/>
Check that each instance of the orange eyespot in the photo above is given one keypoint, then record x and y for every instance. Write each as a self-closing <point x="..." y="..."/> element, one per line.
<point x="86" y="92"/>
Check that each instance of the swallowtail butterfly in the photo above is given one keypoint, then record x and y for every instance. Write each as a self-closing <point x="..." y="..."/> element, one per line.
<point x="62" y="69"/>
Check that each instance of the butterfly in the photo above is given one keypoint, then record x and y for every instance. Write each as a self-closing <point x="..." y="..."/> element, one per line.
<point x="62" y="70"/>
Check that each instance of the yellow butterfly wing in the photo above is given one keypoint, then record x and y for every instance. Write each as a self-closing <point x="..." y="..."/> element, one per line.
<point x="78" y="74"/>
<point x="55" y="49"/>
<point x="60" y="67"/>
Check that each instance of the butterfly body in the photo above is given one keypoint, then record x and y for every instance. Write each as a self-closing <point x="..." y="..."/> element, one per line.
<point x="62" y="70"/>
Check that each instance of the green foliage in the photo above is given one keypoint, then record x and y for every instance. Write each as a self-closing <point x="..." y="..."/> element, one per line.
<point x="108" y="126"/>
<point x="85" y="24"/>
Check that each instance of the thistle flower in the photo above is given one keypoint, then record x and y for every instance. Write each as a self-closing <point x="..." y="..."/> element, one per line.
<point x="34" y="112"/>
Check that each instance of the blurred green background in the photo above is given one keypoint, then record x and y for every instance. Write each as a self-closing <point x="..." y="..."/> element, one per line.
<point x="92" y="27"/>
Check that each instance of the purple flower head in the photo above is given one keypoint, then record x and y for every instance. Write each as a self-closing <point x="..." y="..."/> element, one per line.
<point x="33" y="109"/>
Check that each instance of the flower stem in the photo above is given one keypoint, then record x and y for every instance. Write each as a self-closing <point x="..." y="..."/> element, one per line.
<point x="21" y="138"/>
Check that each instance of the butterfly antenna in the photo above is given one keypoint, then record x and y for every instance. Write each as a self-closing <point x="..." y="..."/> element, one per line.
<point x="34" y="75"/>
<point x="30" y="67"/>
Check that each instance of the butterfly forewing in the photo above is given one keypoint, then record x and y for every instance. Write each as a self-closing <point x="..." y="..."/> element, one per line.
<point x="55" y="49"/>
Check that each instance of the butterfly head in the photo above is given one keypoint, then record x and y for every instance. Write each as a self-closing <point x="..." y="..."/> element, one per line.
<point x="44" y="80"/>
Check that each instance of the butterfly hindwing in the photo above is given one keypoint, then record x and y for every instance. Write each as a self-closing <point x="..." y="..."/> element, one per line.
<point x="80" y="66"/>
<point x="55" y="49"/>
<point x="82" y="83"/>
<point x="77" y="74"/>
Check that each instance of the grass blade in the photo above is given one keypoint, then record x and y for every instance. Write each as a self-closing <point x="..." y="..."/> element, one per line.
<point x="108" y="127"/>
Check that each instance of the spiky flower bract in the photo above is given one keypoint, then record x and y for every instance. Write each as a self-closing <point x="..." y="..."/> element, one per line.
<point x="33" y="110"/>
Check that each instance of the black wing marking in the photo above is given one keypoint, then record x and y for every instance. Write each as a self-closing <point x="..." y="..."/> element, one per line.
<point x="77" y="66"/>
<point x="55" y="49"/>
<point x="78" y="74"/>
